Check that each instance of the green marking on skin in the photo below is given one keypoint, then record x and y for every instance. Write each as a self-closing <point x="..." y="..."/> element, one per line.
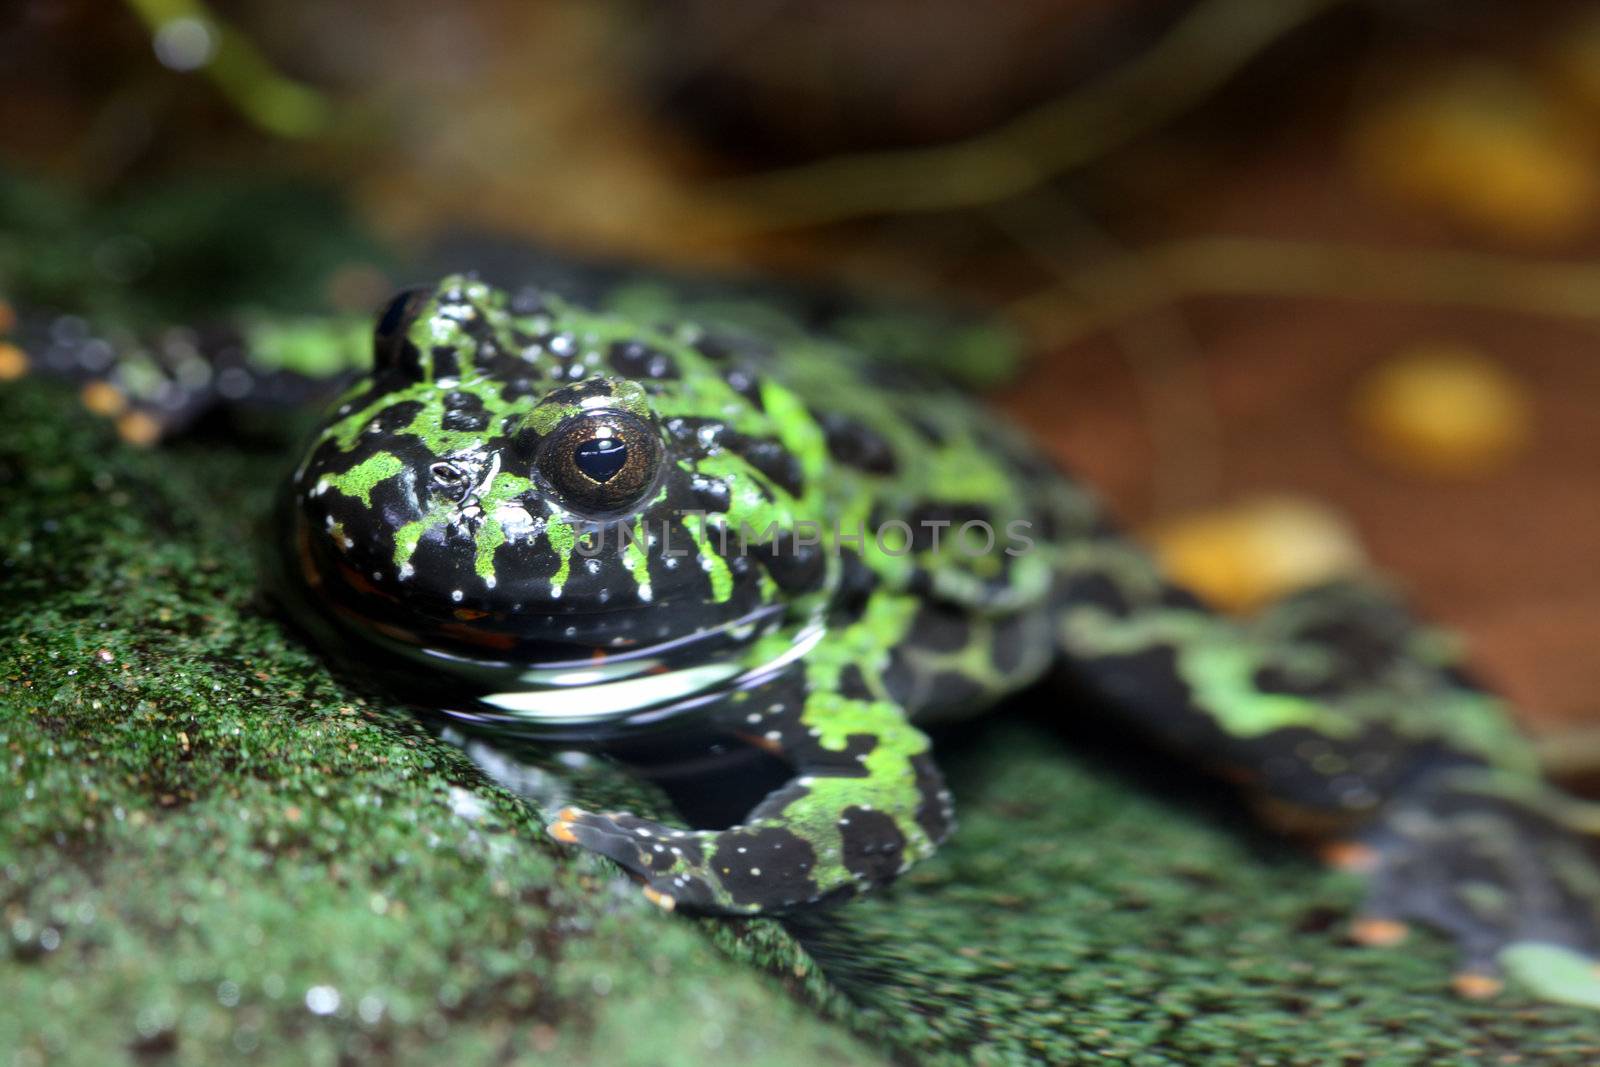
<point x="428" y="422"/>
<point x="715" y="566"/>
<point x="547" y="415"/>
<point x="864" y="644"/>
<point x="1483" y="723"/>
<point x="407" y="537"/>
<point x="1213" y="658"/>
<point x="1223" y="679"/>
<point x="836" y="718"/>
<point x="360" y="480"/>
<point x="634" y="558"/>
<point x="623" y="395"/>
<point x="890" y="782"/>
<point x="798" y="431"/>
<point x="1470" y="721"/>
<point x="491" y="535"/>
<point x="562" y="541"/>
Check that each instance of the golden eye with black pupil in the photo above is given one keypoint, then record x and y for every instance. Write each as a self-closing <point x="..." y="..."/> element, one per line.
<point x="601" y="463"/>
<point x="389" y="339"/>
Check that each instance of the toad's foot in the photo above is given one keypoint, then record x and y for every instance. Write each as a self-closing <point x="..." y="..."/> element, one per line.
<point x="808" y="842"/>
<point x="740" y="871"/>
<point x="760" y="867"/>
<point x="1506" y="866"/>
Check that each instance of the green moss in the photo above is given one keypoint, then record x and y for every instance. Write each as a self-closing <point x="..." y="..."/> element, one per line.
<point x="211" y="846"/>
<point x="206" y="839"/>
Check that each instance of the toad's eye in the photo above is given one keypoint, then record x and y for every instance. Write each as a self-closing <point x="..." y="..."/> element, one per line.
<point x="601" y="463"/>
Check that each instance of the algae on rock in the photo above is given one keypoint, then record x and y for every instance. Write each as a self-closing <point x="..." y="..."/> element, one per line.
<point x="211" y="848"/>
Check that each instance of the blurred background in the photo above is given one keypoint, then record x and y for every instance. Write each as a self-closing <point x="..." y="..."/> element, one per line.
<point x="1306" y="283"/>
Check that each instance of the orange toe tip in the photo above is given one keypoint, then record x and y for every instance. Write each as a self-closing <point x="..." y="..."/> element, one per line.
<point x="569" y="814"/>
<point x="562" y="832"/>
<point x="1379" y="933"/>
<point x="1349" y="856"/>
<point x="660" y="899"/>
<point x="1476" y="986"/>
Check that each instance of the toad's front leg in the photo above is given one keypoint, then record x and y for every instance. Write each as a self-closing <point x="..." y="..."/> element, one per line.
<point x="865" y="803"/>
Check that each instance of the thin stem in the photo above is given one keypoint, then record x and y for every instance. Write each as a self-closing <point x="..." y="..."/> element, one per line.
<point x="240" y="71"/>
<point x="1243" y="266"/>
<point x="1198" y="54"/>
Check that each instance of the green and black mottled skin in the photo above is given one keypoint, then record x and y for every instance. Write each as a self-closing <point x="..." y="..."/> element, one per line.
<point x="590" y="525"/>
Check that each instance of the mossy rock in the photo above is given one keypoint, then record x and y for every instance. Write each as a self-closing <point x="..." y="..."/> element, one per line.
<point x="212" y="850"/>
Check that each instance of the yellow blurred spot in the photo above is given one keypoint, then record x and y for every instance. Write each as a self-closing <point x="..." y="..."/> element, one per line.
<point x="103" y="398"/>
<point x="1444" y="410"/>
<point x="13" y="362"/>
<point x="1246" y="554"/>
<point x="1476" y="986"/>
<point x="1379" y="933"/>
<point x="137" y="428"/>
<point x="1485" y="145"/>
<point x="1350" y="856"/>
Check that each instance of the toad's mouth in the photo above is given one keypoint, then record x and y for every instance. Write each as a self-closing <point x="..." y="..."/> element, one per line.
<point x="541" y="682"/>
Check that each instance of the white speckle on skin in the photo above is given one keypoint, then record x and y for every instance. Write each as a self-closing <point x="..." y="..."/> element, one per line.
<point x="406" y="571"/>
<point x="455" y="594"/>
